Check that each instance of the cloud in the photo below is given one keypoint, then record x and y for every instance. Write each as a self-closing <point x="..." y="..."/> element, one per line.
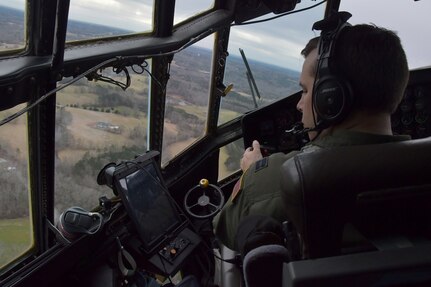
<point x="278" y="42"/>
<point x="268" y="48"/>
<point x="185" y="9"/>
<point x="126" y="14"/>
<point x="131" y="15"/>
<point x="407" y="18"/>
<point x="247" y="37"/>
<point x="17" y="4"/>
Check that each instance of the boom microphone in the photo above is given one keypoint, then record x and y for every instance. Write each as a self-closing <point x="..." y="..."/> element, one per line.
<point x="298" y="128"/>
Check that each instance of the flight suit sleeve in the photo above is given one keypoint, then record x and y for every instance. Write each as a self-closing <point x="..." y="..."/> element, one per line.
<point x="259" y="194"/>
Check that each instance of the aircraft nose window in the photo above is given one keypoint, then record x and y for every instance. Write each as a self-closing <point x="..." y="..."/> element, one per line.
<point x="96" y="122"/>
<point x="187" y="96"/>
<point x="271" y="50"/>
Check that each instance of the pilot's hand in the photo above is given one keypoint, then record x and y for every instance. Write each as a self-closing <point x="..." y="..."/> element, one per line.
<point x="251" y="155"/>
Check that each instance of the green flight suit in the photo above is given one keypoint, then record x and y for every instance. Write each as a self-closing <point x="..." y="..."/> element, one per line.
<point x="260" y="192"/>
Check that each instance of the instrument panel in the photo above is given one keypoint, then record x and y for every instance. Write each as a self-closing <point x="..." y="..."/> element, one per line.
<point x="412" y="116"/>
<point x="270" y="125"/>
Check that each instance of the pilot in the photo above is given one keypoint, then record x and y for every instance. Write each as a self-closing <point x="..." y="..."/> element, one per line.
<point x="373" y="63"/>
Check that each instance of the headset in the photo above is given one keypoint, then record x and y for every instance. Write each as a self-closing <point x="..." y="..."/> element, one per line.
<point x="332" y="97"/>
<point x="76" y="221"/>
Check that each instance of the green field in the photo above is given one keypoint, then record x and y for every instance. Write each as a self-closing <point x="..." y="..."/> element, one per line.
<point x="15" y="238"/>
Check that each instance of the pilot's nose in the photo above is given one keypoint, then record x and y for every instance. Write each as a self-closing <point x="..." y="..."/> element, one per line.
<point x="299" y="105"/>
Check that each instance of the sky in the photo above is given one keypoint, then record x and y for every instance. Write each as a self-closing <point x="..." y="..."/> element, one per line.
<point x="277" y="42"/>
<point x="408" y="18"/>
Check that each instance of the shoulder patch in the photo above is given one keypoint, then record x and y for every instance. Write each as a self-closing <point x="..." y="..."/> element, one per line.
<point x="261" y="164"/>
<point x="237" y="189"/>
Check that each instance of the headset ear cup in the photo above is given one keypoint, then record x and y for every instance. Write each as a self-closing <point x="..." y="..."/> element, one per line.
<point x="332" y="94"/>
<point x="64" y="228"/>
<point x="76" y="221"/>
<point x="332" y="100"/>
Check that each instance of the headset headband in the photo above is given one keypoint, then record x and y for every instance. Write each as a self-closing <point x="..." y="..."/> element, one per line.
<point x="332" y="95"/>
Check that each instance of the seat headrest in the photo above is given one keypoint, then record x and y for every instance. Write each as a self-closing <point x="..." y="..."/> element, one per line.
<point x="320" y="188"/>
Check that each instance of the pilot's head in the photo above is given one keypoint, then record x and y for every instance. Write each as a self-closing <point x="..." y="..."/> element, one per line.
<point x="372" y="60"/>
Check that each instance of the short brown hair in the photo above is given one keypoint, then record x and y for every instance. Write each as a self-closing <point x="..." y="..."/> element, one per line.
<point x="311" y="45"/>
<point x="373" y="61"/>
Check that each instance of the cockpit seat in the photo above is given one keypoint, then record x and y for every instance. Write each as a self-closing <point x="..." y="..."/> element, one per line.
<point x="375" y="198"/>
<point x="381" y="190"/>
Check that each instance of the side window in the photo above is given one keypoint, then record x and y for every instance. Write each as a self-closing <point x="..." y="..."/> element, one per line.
<point x="16" y="235"/>
<point x="96" y="123"/>
<point x="272" y="50"/>
<point x="187" y="96"/>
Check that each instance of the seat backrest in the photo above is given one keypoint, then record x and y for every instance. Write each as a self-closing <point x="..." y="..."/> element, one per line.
<point x="327" y="188"/>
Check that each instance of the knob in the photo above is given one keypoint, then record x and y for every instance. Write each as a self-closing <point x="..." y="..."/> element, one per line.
<point x="204" y="183"/>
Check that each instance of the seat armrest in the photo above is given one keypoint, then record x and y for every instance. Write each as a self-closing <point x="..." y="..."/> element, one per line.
<point x="263" y="265"/>
<point x="226" y="274"/>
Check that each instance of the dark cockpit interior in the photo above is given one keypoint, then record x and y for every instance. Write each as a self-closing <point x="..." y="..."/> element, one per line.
<point x="122" y="128"/>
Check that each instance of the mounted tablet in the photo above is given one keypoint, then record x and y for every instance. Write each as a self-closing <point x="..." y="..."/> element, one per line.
<point x="164" y="238"/>
<point x="143" y="192"/>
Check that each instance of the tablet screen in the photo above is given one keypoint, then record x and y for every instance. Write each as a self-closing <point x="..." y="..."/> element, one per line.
<point x="148" y="204"/>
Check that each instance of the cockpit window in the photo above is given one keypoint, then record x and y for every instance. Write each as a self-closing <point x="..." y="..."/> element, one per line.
<point x="185" y="9"/>
<point x="89" y="19"/>
<point x="16" y="231"/>
<point x="272" y="51"/>
<point x="12" y="23"/>
<point x="187" y="97"/>
<point x="406" y="18"/>
<point x="230" y="158"/>
<point x="96" y="123"/>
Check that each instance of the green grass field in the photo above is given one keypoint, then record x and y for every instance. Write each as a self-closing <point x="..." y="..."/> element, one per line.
<point x="15" y="238"/>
